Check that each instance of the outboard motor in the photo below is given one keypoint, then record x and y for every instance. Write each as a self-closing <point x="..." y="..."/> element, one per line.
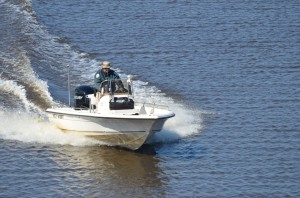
<point x="80" y="98"/>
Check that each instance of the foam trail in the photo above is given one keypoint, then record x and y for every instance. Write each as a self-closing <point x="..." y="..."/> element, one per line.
<point x="187" y="121"/>
<point x="31" y="129"/>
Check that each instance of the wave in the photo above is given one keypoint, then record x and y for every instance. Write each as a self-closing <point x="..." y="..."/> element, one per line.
<point x="21" y="82"/>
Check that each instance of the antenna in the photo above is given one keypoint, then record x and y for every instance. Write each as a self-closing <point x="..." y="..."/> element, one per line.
<point x="69" y="85"/>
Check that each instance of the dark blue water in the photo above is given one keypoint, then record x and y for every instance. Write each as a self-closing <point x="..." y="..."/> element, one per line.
<point x="230" y="70"/>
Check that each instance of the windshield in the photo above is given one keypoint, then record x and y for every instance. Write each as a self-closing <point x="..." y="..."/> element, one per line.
<point x="116" y="86"/>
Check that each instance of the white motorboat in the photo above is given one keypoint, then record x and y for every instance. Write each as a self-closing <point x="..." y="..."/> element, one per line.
<point x="111" y="116"/>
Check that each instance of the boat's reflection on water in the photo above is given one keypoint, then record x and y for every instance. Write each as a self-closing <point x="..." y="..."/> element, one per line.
<point x="112" y="171"/>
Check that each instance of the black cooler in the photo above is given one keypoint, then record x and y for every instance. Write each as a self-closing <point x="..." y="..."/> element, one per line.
<point x="120" y="103"/>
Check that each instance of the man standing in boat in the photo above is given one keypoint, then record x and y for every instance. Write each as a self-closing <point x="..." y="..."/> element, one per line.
<point x="107" y="74"/>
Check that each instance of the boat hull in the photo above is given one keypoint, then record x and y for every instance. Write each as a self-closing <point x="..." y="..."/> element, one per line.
<point x="128" y="131"/>
<point x="130" y="140"/>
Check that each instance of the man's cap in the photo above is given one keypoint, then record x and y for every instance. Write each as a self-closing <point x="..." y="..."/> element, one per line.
<point x="105" y="64"/>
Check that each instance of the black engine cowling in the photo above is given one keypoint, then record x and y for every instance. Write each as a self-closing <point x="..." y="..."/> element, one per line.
<point x="80" y="98"/>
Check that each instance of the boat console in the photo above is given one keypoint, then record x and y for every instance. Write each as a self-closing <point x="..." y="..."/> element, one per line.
<point x="113" y="94"/>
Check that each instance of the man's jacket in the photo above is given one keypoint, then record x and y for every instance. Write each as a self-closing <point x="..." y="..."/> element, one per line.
<point x="101" y="76"/>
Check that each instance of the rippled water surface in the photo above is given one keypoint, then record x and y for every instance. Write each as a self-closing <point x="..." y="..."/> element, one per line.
<point x="230" y="70"/>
